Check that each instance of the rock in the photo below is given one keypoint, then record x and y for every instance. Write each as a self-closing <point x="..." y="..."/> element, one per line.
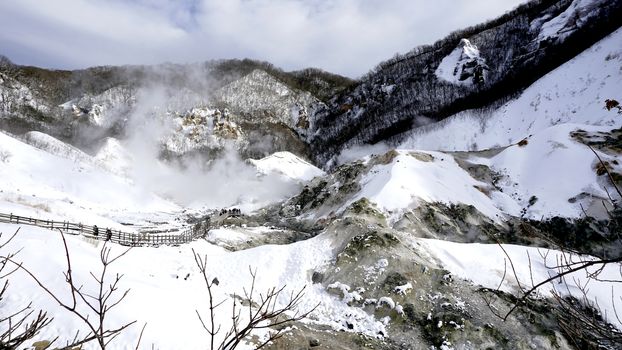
<point x="314" y="342"/>
<point x="393" y="280"/>
<point x="317" y="277"/>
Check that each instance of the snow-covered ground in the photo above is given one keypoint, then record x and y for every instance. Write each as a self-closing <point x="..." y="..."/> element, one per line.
<point x="41" y="184"/>
<point x="166" y="287"/>
<point x="553" y="171"/>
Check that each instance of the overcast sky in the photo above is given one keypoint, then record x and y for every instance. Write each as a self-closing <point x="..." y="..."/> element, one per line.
<point x="343" y="36"/>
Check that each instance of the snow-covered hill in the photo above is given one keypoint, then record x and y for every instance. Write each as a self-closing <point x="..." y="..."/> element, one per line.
<point x="569" y="21"/>
<point x="14" y="96"/>
<point x="407" y="179"/>
<point x="54" y="146"/>
<point x="287" y="165"/>
<point x="65" y="186"/>
<point x="505" y="56"/>
<point x="552" y="173"/>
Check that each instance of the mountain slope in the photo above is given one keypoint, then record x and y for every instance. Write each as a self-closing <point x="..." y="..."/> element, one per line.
<point x="404" y="92"/>
<point x="38" y="183"/>
<point x="573" y="93"/>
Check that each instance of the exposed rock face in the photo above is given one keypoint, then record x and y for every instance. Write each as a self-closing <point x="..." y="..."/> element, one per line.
<point x="20" y="107"/>
<point x="464" y="65"/>
<point x="103" y="109"/>
<point x="262" y="95"/>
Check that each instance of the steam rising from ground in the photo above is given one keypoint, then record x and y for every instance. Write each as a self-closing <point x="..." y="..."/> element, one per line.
<point x="353" y="153"/>
<point x="198" y="181"/>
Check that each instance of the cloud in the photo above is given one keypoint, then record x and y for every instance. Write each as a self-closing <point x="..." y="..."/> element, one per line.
<point x="342" y="36"/>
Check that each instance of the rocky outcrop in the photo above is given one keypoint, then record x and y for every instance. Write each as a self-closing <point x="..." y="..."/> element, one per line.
<point x="464" y="65"/>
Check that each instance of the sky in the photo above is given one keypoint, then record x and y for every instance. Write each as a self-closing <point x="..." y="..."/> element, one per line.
<point x="347" y="37"/>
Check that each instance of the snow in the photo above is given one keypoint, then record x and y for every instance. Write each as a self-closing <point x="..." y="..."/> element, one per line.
<point x="484" y="264"/>
<point x="406" y="181"/>
<point x="287" y="165"/>
<point x="451" y="67"/>
<point x="552" y="167"/>
<point x="113" y="156"/>
<point x="34" y="180"/>
<point x="386" y="301"/>
<point x="552" y="175"/>
<point x="403" y="289"/>
<point x="260" y="91"/>
<point x="103" y="109"/>
<point x="165" y="285"/>
<point x="52" y="145"/>
<point x="14" y="95"/>
<point x="569" y="20"/>
<point x="573" y="93"/>
<point x="230" y="236"/>
<point x="348" y="296"/>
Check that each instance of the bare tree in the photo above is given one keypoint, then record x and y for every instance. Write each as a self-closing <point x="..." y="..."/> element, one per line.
<point x="581" y="319"/>
<point x="23" y="324"/>
<point x="262" y="311"/>
<point x="83" y="303"/>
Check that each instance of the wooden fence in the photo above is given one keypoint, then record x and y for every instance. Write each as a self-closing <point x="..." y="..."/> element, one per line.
<point x="192" y="233"/>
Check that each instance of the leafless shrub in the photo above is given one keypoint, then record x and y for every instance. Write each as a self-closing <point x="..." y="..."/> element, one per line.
<point x="262" y="310"/>
<point x="101" y="303"/>
<point x="4" y="156"/>
<point x="581" y="320"/>
<point x="17" y="327"/>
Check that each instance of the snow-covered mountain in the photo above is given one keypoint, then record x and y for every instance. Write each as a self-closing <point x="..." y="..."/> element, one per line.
<point x="310" y="113"/>
<point x="402" y="202"/>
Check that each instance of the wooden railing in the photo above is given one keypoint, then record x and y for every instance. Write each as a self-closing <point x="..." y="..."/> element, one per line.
<point x="190" y="234"/>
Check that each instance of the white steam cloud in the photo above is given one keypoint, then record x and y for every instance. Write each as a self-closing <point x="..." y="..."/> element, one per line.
<point x="197" y="181"/>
